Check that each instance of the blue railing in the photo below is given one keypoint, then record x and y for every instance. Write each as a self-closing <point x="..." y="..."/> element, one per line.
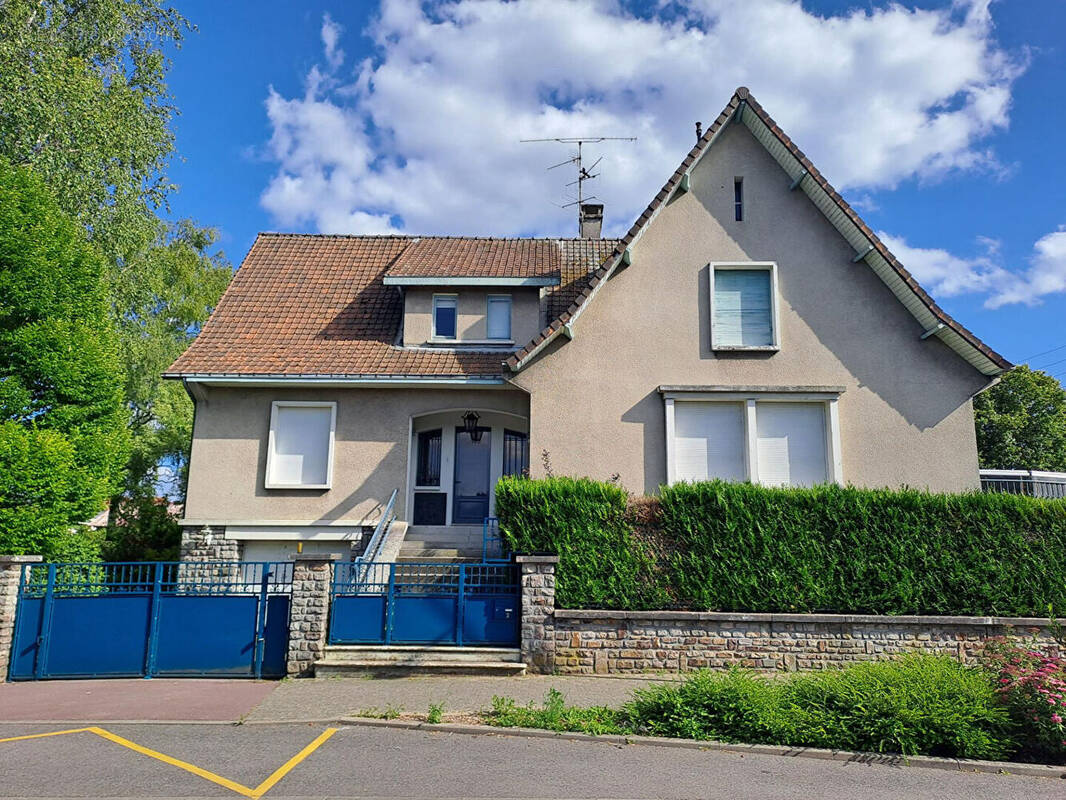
<point x="181" y="577"/>
<point x="492" y="546"/>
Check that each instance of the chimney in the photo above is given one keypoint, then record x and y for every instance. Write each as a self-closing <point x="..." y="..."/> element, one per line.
<point x="699" y="130"/>
<point x="590" y="220"/>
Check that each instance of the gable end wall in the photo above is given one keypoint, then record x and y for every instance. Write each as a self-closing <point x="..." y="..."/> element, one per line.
<point x="905" y="416"/>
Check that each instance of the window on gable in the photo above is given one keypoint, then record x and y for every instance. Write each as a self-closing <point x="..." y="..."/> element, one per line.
<point x="444" y="316"/>
<point x="498" y="316"/>
<point x="738" y="199"/>
<point x="743" y="307"/>
<point x="300" y="447"/>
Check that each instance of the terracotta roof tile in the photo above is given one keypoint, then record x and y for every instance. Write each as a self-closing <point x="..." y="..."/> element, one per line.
<point x="316" y="305"/>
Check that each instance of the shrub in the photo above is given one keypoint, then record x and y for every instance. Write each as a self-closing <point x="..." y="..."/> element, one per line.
<point x="555" y="715"/>
<point x="740" y="547"/>
<point x="601" y="563"/>
<point x="918" y="705"/>
<point x="1032" y="686"/>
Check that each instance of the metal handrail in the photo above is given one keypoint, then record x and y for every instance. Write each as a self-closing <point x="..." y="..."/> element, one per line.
<point x="377" y="539"/>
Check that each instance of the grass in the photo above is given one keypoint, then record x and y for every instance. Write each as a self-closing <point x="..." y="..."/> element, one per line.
<point x="919" y="705"/>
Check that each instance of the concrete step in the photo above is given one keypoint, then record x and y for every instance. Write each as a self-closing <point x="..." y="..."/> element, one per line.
<point x="419" y="653"/>
<point x="361" y="667"/>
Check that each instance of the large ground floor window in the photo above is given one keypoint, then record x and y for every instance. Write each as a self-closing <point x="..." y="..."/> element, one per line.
<point x="773" y="438"/>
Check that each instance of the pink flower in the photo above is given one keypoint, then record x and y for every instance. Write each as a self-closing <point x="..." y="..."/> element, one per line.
<point x="1056" y="719"/>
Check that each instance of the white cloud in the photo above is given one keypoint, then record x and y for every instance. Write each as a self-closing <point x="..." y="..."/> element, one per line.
<point x="945" y="275"/>
<point x="425" y="138"/>
<point x="331" y="34"/>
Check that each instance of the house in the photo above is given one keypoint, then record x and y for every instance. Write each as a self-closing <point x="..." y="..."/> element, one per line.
<point x="749" y="326"/>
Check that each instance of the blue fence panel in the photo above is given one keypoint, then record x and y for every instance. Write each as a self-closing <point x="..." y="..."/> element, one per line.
<point x="424" y="603"/>
<point x="207" y="635"/>
<point x="95" y="636"/>
<point x="27" y="629"/>
<point x="145" y="619"/>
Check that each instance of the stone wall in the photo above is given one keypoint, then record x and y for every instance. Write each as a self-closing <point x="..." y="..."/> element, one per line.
<point x="309" y="611"/>
<point x="10" y="570"/>
<point x="208" y="544"/>
<point x="538" y="636"/>
<point x="617" y="642"/>
<point x="606" y="642"/>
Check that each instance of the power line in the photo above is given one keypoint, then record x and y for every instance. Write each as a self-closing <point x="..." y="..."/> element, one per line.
<point x="1046" y="352"/>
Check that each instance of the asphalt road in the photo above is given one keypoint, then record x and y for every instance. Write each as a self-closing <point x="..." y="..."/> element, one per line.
<point x="365" y="763"/>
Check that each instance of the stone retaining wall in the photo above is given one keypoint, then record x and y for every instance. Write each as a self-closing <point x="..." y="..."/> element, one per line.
<point x="605" y="642"/>
<point x="613" y="642"/>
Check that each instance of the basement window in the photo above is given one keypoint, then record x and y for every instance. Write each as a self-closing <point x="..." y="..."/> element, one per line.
<point x="738" y="199"/>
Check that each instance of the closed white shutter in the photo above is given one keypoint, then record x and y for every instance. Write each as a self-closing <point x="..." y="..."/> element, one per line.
<point x="499" y="317"/>
<point x="743" y="311"/>
<point x="709" y="441"/>
<point x="791" y="443"/>
<point x="301" y="446"/>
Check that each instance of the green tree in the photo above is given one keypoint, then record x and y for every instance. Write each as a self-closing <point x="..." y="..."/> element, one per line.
<point x="84" y="103"/>
<point x="1021" y="422"/>
<point x="63" y="422"/>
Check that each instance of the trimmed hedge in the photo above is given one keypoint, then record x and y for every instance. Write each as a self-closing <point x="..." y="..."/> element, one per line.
<point x="739" y="547"/>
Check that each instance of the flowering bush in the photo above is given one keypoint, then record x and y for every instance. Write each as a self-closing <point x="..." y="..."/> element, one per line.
<point x="1032" y="684"/>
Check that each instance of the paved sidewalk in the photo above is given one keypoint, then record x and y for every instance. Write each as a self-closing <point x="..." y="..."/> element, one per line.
<point x="199" y="700"/>
<point x="332" y="698"/>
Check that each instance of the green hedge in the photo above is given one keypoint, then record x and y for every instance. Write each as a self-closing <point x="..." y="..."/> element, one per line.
<point x="739" y="547"/>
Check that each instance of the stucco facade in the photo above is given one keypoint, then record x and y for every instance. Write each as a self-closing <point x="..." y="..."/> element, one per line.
<point x="229" y="451"/>
<point x="526" y="318"/>
<point x="905" y="412"/>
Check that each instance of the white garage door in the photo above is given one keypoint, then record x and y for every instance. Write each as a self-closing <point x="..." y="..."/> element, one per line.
<point x="709" y="441"/>
<point x="271" y="550"/>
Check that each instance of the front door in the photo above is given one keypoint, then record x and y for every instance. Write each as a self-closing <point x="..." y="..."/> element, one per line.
<point x="470" y="501"/>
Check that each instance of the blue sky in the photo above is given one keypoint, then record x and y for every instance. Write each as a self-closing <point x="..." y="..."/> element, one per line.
<point x="941" y="122"/>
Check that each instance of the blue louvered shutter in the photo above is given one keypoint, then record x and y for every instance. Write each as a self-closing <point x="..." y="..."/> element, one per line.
<point x="743" y="308"/>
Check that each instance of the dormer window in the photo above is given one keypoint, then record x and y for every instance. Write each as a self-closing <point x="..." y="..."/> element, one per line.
<point x="444" y="316"/>
<point x="744" y="306"/>
<point x="498" y="317"/>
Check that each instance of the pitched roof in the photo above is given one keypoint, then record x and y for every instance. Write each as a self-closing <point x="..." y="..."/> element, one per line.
<point x="316" y="305"/>
<point x="448" y="256"/>
<point x="804" y="175"/>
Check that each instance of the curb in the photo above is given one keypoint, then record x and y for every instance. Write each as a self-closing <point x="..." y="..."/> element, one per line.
<point x="846" y="756"/>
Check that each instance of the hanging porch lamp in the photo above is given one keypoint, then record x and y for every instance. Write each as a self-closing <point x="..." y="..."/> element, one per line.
<point x="470" y="420"/>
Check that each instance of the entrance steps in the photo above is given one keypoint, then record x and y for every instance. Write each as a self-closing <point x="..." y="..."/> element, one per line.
<point x="441" y="543"/>
<point x="393" y="660"/>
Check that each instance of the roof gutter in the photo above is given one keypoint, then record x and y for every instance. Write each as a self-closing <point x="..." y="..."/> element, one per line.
<point x="380" y="381"/>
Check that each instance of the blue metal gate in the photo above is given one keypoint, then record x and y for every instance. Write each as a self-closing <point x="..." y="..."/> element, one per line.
<point x="433" y="603"/>
<point x="152" y="619"/>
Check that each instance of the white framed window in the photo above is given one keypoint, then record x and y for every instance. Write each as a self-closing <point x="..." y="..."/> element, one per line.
<point x="498" y="316"/>
<point x="445" y="316"/>
<point x="743" y="301"/>
<point x="775" y="439"/>
<point x="300" y="445"/>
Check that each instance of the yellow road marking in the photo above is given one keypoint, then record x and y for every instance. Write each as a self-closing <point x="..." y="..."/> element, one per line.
<point x="284" y="769"/>
<point x="175" y="762"/>
<point x="207" y="775"/>
<point x="42" y="735"/>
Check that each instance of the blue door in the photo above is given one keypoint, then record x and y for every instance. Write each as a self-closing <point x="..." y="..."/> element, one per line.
<point x="470" y="499"/>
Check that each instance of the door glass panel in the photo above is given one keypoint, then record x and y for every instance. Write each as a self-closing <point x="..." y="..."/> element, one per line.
<point x="470" y="504"/>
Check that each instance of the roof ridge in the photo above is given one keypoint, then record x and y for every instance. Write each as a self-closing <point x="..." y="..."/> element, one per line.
<point x="457" y="237"/>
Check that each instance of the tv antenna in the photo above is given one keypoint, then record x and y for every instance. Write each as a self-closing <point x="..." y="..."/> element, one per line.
<point x="583" y="173"/>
